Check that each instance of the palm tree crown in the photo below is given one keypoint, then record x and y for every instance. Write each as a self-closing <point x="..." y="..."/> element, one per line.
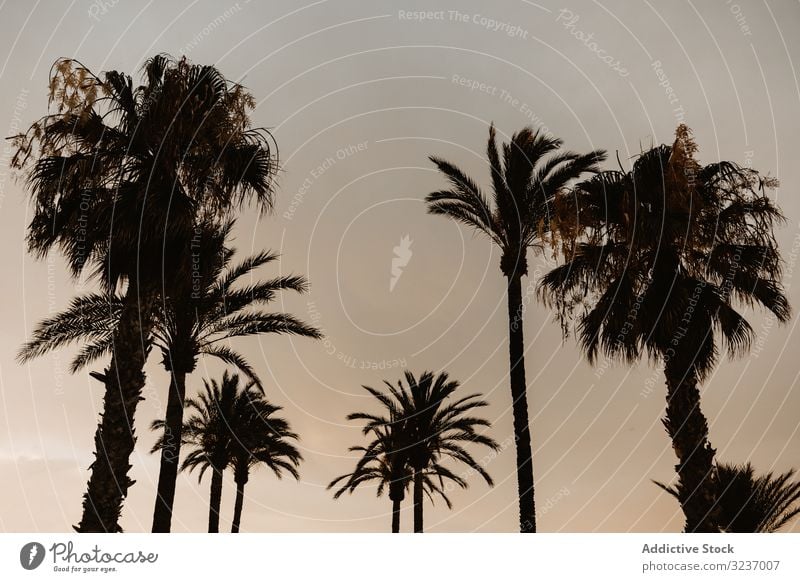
<point x="750" y="503"/>
<point x="119" y="172"/>
<point x="418" y="430"/>
<point x="660" y="254"/>
<point x="524" y="184"/>
<point x="382" y="461"/>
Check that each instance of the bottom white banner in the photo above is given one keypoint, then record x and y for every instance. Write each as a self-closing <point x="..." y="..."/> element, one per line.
<point x="387" y="557"/>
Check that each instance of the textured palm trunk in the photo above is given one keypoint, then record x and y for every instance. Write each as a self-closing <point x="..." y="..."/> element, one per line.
<point x="114" y="439"/>
<point x="688" y="429"/>
<point x="418" y="494"/>
<point x="241" y="481"/>
<point x="522" y="434"/>
<point x="215" y="501"/>
<point x="396" y="515"/>
<point x="170" y="454"/>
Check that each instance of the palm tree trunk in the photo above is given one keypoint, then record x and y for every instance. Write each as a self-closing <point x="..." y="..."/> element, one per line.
<point x="418" y="492"/>
<point x="114" y="439"/>
<point x="522" y="435"/>
<point x="170" y="454"/>
<point x="215" y="501"/>
<point x="396" y="515"/>
<point x="688" y="429"/>
<point x="237" y="508"/>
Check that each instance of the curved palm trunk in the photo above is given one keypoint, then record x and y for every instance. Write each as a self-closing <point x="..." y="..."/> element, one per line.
<point x="215" y="501"/>
<point x="688" y="429"/>
<point x="522" y="435"/>
<point x="237" y="508"/>
<point x="396" y="515"/>
<point x="170" y="454"/>
<point x="418" y="494"/>
<point x="114" y="439"/>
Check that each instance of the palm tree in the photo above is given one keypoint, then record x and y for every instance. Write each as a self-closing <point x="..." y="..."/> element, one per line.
<point x="750" y="504"/>
<point x="118" y="176"/>
<point x="423" y="429"/>
<point x="207" y="434"/>
<point x="225" y="420"/>
<point x="259" y="438"/>
<point x="657" y="256"/>
<point x="533" y="171"/>
<point x="185" y="327"/>
<point x="382" y="461"/>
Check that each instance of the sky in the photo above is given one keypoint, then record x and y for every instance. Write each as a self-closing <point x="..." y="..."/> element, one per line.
<point x="358" y="95"/>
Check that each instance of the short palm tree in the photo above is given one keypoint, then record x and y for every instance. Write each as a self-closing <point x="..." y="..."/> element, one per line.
<point x="751" y="504"/>
<point x="232" y="426"/>
<point x="655" y="260"/>
<point x="206" y="433"/>
<point x="382" y="461"/>
<point x="185" y="326"/>
<point x="260" y="438"/>
<point x="118" y="175"/>
<point x="533" y="170"/>
<point x="423" y="428"/>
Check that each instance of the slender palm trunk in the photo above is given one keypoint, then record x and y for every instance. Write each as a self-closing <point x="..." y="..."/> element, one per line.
<point x="241" y="481"/>
<point x="418" y="493"/>
<point x="688" y="429"/>
<point x="522" y="435"/>
<point x="170" y="454"/>
<point x="114" y="439"/>
<point x="215" y="501"/>
<point x="396" y="514"/>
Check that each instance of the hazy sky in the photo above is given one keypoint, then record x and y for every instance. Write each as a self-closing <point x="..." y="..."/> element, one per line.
<point x="358" y="94"/>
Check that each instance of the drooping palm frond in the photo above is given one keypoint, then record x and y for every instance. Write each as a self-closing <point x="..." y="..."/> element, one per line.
<point x="646" y="247"/>
<point x="749" y="503"/>
<point x="200" y="323"/>
<point x="119" y="173"/>
<point x="89" y="318"/>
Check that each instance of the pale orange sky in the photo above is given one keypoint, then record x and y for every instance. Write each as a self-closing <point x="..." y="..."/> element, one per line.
<point x="376" y="92"/>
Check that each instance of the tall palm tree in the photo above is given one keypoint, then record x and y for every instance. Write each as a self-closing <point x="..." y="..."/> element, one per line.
<point x="118" y="176"/>
<point x="185" y="326"/>
<point x="656" y="257"/>
<point x="751" y="504"/>
<point x="260" y="438"/>
<point x="524" y="184"/>
<point x="423" y="428"/>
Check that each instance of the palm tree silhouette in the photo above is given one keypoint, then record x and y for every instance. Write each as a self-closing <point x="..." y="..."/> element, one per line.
<point x="532" y="172"/>
<point x="382" y="461"/>
<point x="657" y="256"/>
<point x="233" y="427"/>
<point x="260" y="438"/>
<point x="185" y="327"/>
<point x="750" y="504"/>
<point x="118" y="175"/>
<point x="422" y="428"/>
<point x="207" y="434"/>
